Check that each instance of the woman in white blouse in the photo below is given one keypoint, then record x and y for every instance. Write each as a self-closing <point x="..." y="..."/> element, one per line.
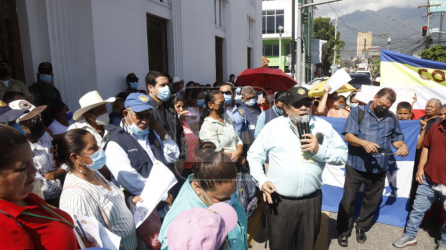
<point x="218" y="127"/>
<point x="86" y="191"/>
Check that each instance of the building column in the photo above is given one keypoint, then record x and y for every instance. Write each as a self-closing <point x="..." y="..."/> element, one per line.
<point x="177" y="38"/>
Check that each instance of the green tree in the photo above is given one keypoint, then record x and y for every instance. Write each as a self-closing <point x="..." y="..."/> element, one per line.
<point x="435" y="53"/>
<point x="376" y="62"/>
<point x="323" y="29"/>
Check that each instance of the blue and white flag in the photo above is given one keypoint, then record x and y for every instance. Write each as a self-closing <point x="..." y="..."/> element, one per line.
<point x="394" y="207"/>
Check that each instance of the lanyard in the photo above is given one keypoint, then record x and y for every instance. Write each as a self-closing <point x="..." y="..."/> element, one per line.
<point x="50" y="218"/>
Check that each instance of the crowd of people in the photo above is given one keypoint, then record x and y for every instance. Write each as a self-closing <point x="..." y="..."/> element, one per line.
<point x="220" y="141"/>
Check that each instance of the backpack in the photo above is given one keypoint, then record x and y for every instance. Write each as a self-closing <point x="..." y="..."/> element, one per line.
<point x="246" y="192"/>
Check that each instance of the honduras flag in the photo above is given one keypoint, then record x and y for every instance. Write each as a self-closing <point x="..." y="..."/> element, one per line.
<point x="394" y="207"/>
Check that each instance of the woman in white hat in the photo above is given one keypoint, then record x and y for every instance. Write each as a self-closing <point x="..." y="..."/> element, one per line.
<point x="93" y="116"/>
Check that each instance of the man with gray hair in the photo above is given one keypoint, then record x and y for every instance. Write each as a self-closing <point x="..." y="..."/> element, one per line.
<point x="432" y="110"/>
<point x="251" y="115"/>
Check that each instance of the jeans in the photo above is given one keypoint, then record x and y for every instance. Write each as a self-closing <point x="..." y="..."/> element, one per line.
<point x="423" y="201"/>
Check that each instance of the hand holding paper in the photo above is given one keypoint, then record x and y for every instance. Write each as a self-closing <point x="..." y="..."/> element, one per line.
<point x="338" y="79"/>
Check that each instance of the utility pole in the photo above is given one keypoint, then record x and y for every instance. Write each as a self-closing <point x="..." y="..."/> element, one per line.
<point x="334" y="58"/>
<point x="293" y="40"/>
<point x="428" y="6"/>
<point x="441" y="27"/>
<point x="300" y="7"/>
<point x="388" y="42"/>
<point x="280" y="28"/>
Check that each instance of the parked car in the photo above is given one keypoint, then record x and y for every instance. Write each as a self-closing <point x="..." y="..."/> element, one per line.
<point x="365" y="72"/>
<point x="359" y="79"/>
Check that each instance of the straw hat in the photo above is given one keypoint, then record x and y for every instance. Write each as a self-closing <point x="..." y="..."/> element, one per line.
<point x="90" y="101"/>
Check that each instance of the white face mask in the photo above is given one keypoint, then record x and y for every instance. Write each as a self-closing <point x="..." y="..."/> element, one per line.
<point x="103" y="119"/>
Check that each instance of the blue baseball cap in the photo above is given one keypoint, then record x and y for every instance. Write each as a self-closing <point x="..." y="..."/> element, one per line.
<point x="7" y="114"/>
<point x="138" y="102"/>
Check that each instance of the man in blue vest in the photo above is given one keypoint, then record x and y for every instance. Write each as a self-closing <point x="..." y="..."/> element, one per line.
<point x="272" y="113"/>
<point x="132" y="151"/>
<point x="251" y="114"/>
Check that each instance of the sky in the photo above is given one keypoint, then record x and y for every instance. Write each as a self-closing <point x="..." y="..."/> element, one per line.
<point x="350" y="6"/>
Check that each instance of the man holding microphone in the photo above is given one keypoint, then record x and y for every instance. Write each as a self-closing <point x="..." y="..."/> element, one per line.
<point x="296" y="162"/>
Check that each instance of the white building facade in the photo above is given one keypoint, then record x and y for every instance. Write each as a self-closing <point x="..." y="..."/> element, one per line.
<point x="94" y="44"/>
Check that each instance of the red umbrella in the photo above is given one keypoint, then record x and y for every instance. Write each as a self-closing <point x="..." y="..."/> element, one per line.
<point x="265" y="78"/>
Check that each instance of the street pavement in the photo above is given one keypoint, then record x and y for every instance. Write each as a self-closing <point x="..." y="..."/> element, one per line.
<point x="380" y="236"/>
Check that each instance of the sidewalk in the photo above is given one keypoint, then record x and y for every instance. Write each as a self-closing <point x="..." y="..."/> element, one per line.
<point x="379" y="237"/>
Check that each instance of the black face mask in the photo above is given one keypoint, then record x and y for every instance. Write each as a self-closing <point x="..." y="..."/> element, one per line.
<point x="36" y="131"/>
<point x="380" y="110"/>
<point x="221" y="109"/>
<point x="316" y="103"/>
<point x="3" y="73"/>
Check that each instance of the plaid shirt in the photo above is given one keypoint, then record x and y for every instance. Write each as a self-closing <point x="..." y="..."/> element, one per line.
<point x="382" y="132"/>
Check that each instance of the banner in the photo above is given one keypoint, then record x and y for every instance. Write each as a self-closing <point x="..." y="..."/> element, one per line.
<point x="427" y="78"/>
<point x="394" y="207"/>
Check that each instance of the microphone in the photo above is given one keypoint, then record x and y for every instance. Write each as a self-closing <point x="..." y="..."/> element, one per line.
<point x="298" y="120"/>
<point x="306" y="124"/>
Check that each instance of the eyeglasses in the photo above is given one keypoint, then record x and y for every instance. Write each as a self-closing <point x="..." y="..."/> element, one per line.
<point x="142" y="116"/>
<point x="316" y="98"/>
<point x="226" y="92"/>
<point x="250" y="98"/>
<point x="307" y="103"/>
<point x="35" y="119"/>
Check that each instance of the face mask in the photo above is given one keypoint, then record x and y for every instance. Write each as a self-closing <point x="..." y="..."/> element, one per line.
<point x="354" y="105"/>
<point x="316" y="103"/>
<point x="380" y="110"/>
<point x="37" y="131"/>
<point x="98" y="159"/>
<point x="103" y="119"/>
<point x="250" y="103"/>
<point x="3" y="73"/>
<point x="134" y="85"/>
<point x="136" y="130"/>
<point x="164" y="93"/>
<point x="341" y="106"/>
<point x="279" y="110"/>
<point x="228" y="98"/>
<point x="17" y="126"/>
<point x="221" y="109"/>
<point x="179" y="94"/>
<point x="238" y="91"/>
<point x="69" y="116"/>
<point x="200" y="102"/>
<point x="208" y="199"/>
<point x="45" y="78"/>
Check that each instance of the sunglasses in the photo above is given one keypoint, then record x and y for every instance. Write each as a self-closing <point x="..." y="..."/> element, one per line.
<point x="306" y="103"/>
<point x="226" y="92"/>
<point x="250" y="98"/>
<point x="142" y="116"/>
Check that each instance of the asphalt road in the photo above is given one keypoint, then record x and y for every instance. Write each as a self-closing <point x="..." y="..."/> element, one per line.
<point x="380" y="236"/>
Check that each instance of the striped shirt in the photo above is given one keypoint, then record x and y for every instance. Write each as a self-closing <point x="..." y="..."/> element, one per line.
<point x="75" y="201"/>
<point x="44" y="163"/>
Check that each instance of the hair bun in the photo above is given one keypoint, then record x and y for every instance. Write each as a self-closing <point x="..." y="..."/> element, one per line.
<point x="205" y="151"/>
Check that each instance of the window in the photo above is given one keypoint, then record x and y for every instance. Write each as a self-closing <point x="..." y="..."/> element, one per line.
<point x="271" y="19"/>
<point x="271" y="49"/>
<point x="218" y="12"/>
<point x="219" y="59"/>
<point x="249" y="57"/>
<point x="250" y="28"/>
<point x="157" y="43"/>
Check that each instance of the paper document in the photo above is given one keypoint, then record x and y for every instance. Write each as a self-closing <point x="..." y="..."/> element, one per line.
<point x="338" y="79"/>
<point x="402" y="95"/>
<point x="259" y="97"/>
<point x="97" y="233"/>
<point x="160" y="180"/>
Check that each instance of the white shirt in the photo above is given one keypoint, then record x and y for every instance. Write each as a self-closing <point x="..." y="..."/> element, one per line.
<point x="57" y="128"/>
<point x="76" y="201"/>
<point x="99" y="139"/>
<point x="120" y="166"/>
<point x="44" y="163"/>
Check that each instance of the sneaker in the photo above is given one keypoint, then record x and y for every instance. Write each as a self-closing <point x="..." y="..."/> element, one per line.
<point x="404" y="240"/>
<point x="440" y="246"/>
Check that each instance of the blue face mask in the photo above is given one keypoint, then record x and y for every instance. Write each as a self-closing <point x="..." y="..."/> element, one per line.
<point x="136" y="130"/>
<point x="354" y="105"/>
<point x="228" y="98"/>
<point x="279" y="110"/>
<point x="200" y="102"/>
<point x="69" y="116"/>
<point x="238" y="91"/>
<point x="134" y="85"/>
<point x="45" y="78"/>
<point x="17" y="126"/>
<point x="250" y="103"/>
<point x="98" y="159"/>
<point x="164" y="93"/>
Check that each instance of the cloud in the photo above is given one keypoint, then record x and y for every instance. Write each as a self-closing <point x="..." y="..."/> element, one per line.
<point x="350" y="6"/>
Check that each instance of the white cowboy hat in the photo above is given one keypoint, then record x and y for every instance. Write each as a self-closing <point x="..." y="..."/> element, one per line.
<point x="90" y="101"/>
<point x="175" y="80"/>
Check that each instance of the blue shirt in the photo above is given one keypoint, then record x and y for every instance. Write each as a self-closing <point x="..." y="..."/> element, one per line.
<point x="251" y="115"/>
<point x="293" y="173"/>
<point x="237" y="118"/>
<point x="261" y="122"/>
<point x="382" y="132"/>
<point x="187" y="199"/>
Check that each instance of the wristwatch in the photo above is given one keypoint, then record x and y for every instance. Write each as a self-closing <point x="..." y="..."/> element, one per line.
<point x="165" y="137"/>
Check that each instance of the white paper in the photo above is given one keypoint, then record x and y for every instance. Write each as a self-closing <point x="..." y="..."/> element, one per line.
<point x="338" y="79"/>
<point x="402" y="95"/>
<point x="97" y="233"/>
<point x="259" y="97"/>
<point x="160" y="181"/>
